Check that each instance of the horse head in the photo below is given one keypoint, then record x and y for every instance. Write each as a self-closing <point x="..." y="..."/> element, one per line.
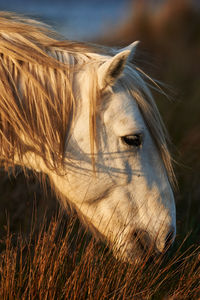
<point x="128" y="196"/>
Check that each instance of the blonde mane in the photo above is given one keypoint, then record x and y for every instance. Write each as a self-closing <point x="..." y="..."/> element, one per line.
<point x="37" y="98"/>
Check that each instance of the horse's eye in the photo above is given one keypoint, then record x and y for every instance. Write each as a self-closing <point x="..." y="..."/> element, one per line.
<point x="134" y="140"/>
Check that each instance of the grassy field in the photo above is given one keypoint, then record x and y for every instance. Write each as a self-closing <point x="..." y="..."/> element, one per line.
<point x="48" y="255"/>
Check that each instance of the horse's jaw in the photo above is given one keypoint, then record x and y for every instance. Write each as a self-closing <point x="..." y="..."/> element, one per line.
<point x="116" y="216"/>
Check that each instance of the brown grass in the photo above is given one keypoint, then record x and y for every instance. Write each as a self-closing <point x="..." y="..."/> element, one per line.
<point x="60" y="263"/>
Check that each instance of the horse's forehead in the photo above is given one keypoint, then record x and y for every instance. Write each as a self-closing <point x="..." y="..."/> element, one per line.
<point x="123" y="113"/>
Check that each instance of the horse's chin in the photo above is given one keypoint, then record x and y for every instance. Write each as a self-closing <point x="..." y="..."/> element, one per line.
<point x="132" y="257"/>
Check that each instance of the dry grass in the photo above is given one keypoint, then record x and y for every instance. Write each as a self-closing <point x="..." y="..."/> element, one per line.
<point x="60" y="263"/>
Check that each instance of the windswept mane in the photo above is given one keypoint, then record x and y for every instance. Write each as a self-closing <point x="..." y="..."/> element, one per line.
<point x="36" y="96"/>
<point x="37" y="100"/>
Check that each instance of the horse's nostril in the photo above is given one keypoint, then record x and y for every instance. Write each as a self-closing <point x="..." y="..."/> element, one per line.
<point x="142" y="239"/>
<point x="169" y="239"/>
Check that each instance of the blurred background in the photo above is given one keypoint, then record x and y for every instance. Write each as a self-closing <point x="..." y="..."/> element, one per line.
<point x="169" y="51"/>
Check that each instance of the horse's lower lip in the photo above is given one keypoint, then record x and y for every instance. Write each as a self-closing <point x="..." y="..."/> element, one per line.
<point x="132" y="254"/>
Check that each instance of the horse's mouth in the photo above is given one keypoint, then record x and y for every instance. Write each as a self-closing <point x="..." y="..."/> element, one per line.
<point x="140" y="249"/>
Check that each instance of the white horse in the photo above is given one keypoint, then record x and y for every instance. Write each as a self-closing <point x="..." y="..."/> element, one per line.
<point x="84" y="115"/>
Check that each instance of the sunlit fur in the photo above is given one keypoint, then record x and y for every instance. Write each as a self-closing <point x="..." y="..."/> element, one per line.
<point x="37" y="97"/>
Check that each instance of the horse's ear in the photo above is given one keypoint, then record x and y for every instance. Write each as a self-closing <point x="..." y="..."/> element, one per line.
<point x="110" y="71"/>
<point x="132" y="48"/>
